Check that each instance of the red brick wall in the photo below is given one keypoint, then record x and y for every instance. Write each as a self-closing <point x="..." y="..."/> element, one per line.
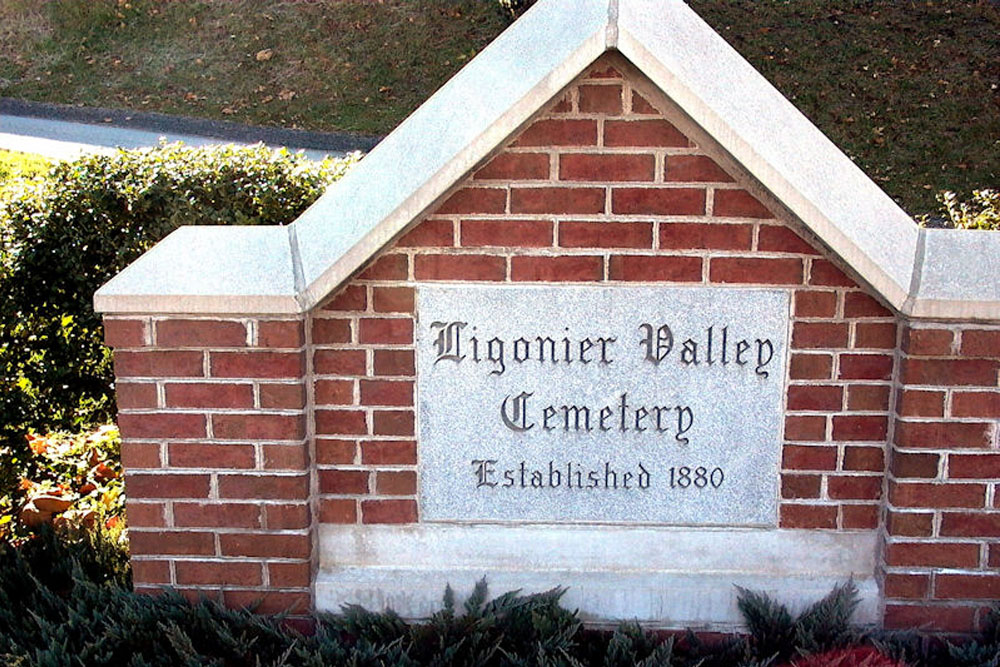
<point x="213" y="419"/>
<point x="601" y="188"/>
<point x="943" y="522"/>
<point x="239" y="431"/>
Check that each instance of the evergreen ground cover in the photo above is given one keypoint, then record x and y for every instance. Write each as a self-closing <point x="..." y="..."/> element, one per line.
<point x="910" y="90"/>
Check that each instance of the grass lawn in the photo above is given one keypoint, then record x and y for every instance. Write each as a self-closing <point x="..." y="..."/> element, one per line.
<point x="908" y="89"/>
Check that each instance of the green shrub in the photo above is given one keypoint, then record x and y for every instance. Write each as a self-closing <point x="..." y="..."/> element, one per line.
<point x="64" y="234"/>
<point x="21" y="165"/>
<point x="514" y="8"/>
<point x="982" y="211"/>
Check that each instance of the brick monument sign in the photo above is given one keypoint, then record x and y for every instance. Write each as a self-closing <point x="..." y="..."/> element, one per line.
<point x="606" y="312"/>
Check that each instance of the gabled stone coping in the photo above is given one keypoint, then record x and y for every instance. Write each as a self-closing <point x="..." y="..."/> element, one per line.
<point x="938" y="274"/>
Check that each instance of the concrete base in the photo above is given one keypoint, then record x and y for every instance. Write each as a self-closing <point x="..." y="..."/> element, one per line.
<point x="662" y="577"/>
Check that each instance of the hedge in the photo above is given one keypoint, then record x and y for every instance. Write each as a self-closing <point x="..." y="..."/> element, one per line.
<point x="64" y="234"/>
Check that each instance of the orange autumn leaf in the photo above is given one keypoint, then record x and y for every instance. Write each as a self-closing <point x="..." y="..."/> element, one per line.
<point x="26" y="484"/>
<point x="38" y="444"/>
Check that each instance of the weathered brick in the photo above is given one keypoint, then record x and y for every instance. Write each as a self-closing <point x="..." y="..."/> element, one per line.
<point x="327" y="330"/>
<point x="868" y="397"/>
<point x="936" y="618"/>
<point x="968" y="524"/>
<point x="570" y="268"/>
<point x="738" y="204"/>
<point x="705" y="236"/>
<point x="516" y="166"/>
<point x="169" y="543"/>
<point x="915" y="466"/>
<point x="268" y="487"/>
<point x="940" y="496"/>
<point x="213" y="455"/>
<point x="339" y="362"/>
<point x="557" y="200"/>
<point x="290" y="575"/>
<point x="973" y="466"/>
<point x="914" y="403"/>
<point x="943" y="435"/>
<point x="338" y="510"/>
<point x="150" y="572"/>
<point x="519" y="233"/>
<point x="475" y="200"/>
<point x="606" y="167"/>
<point x="280" y="333"/>
<point x="815" y="304"/>
<point x="815" y="397"/>
<point x="975" y="404"/>
<point x="394" y="362"/>
<point x="434" y="233"/>
<point x="641" y="106"/>
<point x="387" y="267"/>
<point x="931" y="554"/>
<point x="950" y="372"/>
<point x="927" y="342"/>
<point x="808" y="516"/>
<point x="967" y="586"/>
<point x="343" y="481"/>
<point x="875" y="335"/>
<point x="284" y="457"/>
<point x="559" y="132"/>
<point x="865" y="367"/>
<point x="351" y="297"/>
<point x="291" y="516"/>
<point x="825" y="273"/>
<point x="600" y="99"/>
<point x="606" y="235"/>
<point x="819" y="335"/>
<point x="776" y="238"/>
<point x="811" y="367"/>
<point x="694" y="169"/>
<point x="396" y="482"/>
<point x="460" y="267"/>
<point x="658" y="201"/>
<point x="132" y="395"/>
<point x="859" y="517"/>
<point x="145" y="515"/>
<point x="159" y="364"/>
<point x="871" y="459"/>
<point x="209" y="395"/>
<point x="124" y="333"/>
<point x="783" y="271"/>
<point x="854" y="488"/>
<point x="200" y="333"/>
<point x="396" y="330"/>
<point x="334" y="452"/>
<point x="216" y="515"/>
<point x="800" y="486"/>
<point x="859" y="304"/>
<point x="341" y="422"/>
<point x="907" y="585"/>
<point x="268" y="602"/>
<point x="910" y="524"/>
<point x="393" y="299"/>
<point x="282" y="396"/>
<point x="334" y="392"/>
<point x="258" y="427"/>
<point x="387" y="392"/>
<point x="639" y="133"/>
<point x="162" y="425"/>
<point x="804" y="428"/>
<point x="257" y="364"/>
<point x="800" y="457"/>
<point x="389" y="452"/>
<point x="140" y="455"/>
<point x="392" y="422"/>
<point x="219" y="573"/>
<point x="655" y="268"/>
<point x="981" y="343"/>
<point x="388" y="511"/>
<point x="258" y="545"/>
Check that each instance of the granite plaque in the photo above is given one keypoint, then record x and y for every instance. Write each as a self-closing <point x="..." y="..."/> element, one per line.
<point x="601" y="404"/>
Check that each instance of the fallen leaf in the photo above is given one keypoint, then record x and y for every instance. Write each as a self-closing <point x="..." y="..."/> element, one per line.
<point x="286" y="95"/>
<point x="264" y="55"/>
<point x="52" y="504"/>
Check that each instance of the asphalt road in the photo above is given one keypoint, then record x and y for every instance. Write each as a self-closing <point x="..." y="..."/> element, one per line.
<point x="64" y="132"/>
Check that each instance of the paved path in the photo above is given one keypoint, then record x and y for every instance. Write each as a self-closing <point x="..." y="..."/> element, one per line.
<point x="62" y="132"/>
